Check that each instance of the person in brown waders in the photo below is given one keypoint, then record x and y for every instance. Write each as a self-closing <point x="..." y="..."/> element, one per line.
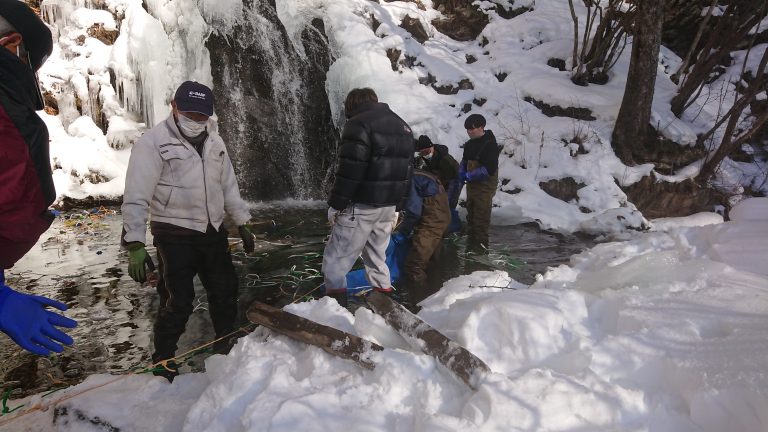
<point x="427" y="216"/>
<point x="479" y="170"/>
<point x="436" y="159"/>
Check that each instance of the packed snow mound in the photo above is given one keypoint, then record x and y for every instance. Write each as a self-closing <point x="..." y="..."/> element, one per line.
<point x="750" y="209"/>
<point x="662" y="332"/>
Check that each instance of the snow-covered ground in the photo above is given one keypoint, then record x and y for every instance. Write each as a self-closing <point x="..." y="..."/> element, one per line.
<point x="159" y="49"/>
<point x="664" y="332"/>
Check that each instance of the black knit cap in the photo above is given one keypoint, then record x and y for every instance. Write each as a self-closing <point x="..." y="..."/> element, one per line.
<point x="423" y="143"/>
<point x="36" y="36"/>
<point x="474" y="121"/>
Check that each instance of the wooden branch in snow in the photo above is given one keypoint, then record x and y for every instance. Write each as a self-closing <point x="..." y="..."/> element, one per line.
<point x="331" y="340"/>
<point x="422" y="336"/>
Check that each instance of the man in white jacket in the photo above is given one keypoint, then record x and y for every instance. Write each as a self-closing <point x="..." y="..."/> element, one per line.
<point x="181" y="174"/>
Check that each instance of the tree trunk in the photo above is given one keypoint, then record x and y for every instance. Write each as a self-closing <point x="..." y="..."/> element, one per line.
<point x="329" y="339"/>
<point x="420" y="335"/>
<point x="634" y="117"/>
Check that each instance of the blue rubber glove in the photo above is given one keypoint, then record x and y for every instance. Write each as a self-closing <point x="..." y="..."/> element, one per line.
<point x="477" y="174"/>
<point x="25" y="319"/>
<point x="463" y="172"/>
<point x="399" y="238"/>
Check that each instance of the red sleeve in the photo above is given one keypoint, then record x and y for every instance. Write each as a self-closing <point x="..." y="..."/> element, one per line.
<point x="21" y="198"/>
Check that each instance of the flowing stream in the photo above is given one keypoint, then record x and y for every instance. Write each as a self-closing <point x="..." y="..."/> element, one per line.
<point x="79" y="262"/>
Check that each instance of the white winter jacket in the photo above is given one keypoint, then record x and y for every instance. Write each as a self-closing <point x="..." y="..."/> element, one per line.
<point x="168" y="178"/>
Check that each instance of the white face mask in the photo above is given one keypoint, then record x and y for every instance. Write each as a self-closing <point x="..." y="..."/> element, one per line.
<point x="190" y="127"/>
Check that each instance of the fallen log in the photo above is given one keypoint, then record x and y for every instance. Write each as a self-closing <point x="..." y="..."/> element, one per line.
<point x="420" y="335"/>
<point x="329" y="339"/>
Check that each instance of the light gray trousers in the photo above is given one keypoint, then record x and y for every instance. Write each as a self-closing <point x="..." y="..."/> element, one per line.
<point x="359" y="230"/>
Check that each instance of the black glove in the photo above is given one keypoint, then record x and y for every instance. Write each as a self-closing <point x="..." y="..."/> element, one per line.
<point x="247" y="237"/>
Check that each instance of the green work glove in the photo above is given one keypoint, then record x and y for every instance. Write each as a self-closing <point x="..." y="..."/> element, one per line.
<point x="137" y="257"/>
<point x="247" y="237"/>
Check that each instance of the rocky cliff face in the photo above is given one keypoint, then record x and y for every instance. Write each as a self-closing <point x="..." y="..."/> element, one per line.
<point x="272" y="105"/>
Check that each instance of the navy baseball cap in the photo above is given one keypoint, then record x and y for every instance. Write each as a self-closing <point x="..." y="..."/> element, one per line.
<point x="192" y="96"/>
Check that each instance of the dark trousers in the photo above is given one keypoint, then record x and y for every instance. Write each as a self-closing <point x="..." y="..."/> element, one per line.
<point x="479" y="204"/>
<point x="179" y="261"/>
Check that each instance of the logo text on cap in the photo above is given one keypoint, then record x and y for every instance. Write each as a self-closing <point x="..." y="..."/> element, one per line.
<point x="197" y="95"/>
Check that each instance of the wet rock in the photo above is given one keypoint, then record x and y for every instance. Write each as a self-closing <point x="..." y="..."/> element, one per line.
<point x="512" y="191"/>
<point x="501" y="76"/>
<point x="374" y="23"/>
<point x="51" y="104"/>
<point x="409" y="61"/>
<point x="576" y="145"/>
<point x="511" y="12"/>
<point x="479" y="102"/>
<point x="427" y="80"/>
<point x="461" y="20"/>
<point x="108" y="37"/>
<point x="464" y="84"/>
<point x="470" y="58"/>
<point x="414" y="27"/>
<point x="393" y="54"/>
<point x="657" y="199"/>
<point x="72" y="373"/>
<point x="557" y="63"/>
<point x="667" y="155"/>
<point x="565" y="189"/>
<point x="558" y="111"/>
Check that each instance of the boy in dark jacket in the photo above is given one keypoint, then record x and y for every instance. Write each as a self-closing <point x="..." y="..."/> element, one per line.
<point x="479" y="170"/>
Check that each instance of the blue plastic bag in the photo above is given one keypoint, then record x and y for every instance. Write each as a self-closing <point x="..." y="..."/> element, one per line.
<point x="356" y="280"/>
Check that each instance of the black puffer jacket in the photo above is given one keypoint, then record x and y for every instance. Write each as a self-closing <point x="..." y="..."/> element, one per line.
<point x="375" y="159"/>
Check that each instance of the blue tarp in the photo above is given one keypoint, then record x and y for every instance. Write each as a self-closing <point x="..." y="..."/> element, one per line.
<point x="356" y="280"/>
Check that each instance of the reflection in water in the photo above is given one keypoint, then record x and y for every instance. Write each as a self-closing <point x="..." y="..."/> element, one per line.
<point x="79" y="261"/>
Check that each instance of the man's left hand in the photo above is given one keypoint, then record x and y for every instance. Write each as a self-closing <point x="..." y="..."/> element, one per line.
<point x="247" y="236"/>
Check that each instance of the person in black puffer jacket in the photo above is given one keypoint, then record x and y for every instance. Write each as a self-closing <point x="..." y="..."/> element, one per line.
<point x="372" y="179"/>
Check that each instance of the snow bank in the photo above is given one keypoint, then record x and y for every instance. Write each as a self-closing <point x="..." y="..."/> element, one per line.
<point x="665" y="332"/>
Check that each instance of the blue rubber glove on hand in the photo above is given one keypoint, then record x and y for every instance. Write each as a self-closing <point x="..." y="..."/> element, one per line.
<point x="399" y="238"/>
<point x="25" y="319"/>
<point x="477" y="174"/>
<point x="463" y="172"/>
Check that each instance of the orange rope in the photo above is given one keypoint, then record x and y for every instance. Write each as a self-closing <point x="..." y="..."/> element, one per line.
<point x="163" y="363"/>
